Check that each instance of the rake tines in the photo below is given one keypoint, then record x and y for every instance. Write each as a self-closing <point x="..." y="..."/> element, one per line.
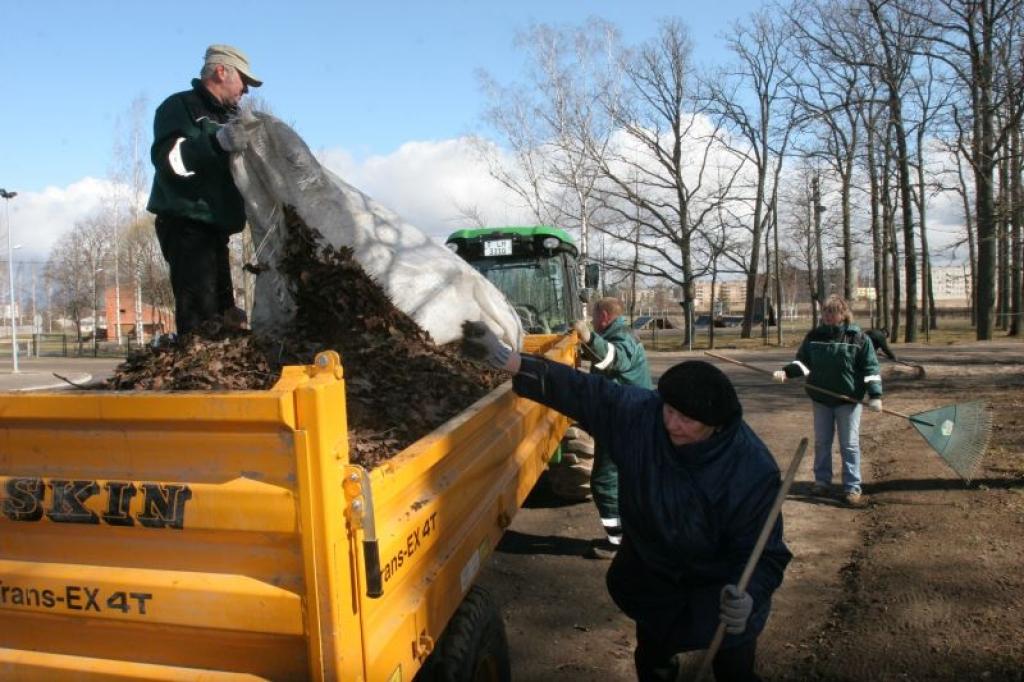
<point x="959" y="433"/>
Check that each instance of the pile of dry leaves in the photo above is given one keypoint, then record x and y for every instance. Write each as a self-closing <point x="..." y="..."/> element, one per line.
<point x="399" y="384"/>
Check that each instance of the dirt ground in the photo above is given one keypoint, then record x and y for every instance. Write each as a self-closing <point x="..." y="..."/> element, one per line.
<point x="926" y="583"/>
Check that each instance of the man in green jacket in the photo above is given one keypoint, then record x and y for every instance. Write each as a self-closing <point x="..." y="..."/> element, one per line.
<point x="194" y="197"/>
<point x="617" y="354"/>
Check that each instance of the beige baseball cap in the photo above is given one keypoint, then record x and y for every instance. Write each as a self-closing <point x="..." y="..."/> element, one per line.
<point x="232" y="56"/>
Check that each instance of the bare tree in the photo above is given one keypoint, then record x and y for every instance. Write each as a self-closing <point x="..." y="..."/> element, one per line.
<point x="966" y="35"/>
<point x="831" y="89"/>
<point x="554" y="128"/>
<point x="674" y="167"/>
<point x="129" y="175"/>
<point x="68" y="278"/>
<point x="752" y="98"/>
<point x="929" y="99"/>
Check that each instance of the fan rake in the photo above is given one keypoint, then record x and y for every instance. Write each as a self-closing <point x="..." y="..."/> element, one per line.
<point x="959" y="433"/>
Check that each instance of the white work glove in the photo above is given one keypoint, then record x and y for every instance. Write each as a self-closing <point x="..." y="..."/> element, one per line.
<point x="232" y="137"/>
<point x="875" y="404"/>
<point x="480" y="343"/>
<point x="735" y="609"/>
<point x="779" y="375"/>
<point x="583" y="329"/>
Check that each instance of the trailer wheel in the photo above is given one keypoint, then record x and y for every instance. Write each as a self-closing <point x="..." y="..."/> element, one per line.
<point x="474" y="647"/>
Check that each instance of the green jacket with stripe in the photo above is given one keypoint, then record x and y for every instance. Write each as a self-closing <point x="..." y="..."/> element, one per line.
<point x="840" y="359"/>
<point x="617" y="354"/>
<point x="192" y="178"/>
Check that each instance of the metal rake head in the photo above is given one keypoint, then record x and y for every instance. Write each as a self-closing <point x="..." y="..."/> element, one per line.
<point x="960" y="433"/>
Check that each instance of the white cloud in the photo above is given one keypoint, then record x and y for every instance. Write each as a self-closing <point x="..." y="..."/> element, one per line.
<point x="38" y="219"/>
<point x="424" y="182"/>
<point x="428" y="183"/>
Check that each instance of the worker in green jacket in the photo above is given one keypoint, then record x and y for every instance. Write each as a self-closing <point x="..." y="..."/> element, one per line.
<point x="194" y="197"/>
<point x="838" y="357"/>
<point x="614" y="352"/>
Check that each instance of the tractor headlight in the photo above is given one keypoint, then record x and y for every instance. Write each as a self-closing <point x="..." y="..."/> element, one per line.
<point x="550" y="243"/>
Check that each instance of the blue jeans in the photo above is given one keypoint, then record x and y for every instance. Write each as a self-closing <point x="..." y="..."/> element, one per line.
<point x="844" y="419"/>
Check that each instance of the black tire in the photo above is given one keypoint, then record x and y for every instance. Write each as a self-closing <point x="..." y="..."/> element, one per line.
<point x="474" y="647"/>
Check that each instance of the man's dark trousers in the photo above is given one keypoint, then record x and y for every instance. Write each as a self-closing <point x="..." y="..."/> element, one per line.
<point x="197" y="254"/>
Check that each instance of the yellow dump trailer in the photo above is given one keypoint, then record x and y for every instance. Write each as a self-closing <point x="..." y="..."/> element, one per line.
<point x="226" y="536"/>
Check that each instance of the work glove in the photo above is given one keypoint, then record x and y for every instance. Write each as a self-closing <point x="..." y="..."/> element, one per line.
<point x="583" y="329"/>
<point x="735" y="609"/>
<point x="779" y="375"/>
<point x="232" y="137"/>
<point x="480" y="343"/>
<point x="875" y="404"/>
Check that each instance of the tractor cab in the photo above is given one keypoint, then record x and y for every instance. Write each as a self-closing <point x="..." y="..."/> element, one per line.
<point x="535" y="267"/>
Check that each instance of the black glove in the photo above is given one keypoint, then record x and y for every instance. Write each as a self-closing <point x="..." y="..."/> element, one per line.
<point x="480" y="343"/>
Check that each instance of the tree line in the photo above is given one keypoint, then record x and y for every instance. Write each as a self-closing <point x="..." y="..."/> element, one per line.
<point x="819" y="146"/>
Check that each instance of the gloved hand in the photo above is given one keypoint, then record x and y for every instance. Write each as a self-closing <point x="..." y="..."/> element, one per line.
<point x="232" y="137"/>
<point x="480" y="343"/>
<point x="875" y="404"/>
<point x="583" y="329"/>
<point x="779" y="375"/>
<point x="735" y="609"/>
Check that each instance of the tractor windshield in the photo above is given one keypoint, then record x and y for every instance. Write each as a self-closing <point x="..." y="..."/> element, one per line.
<point x="535" y="287"/>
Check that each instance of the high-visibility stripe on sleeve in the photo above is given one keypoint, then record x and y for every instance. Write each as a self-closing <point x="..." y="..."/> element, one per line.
<point x="802" y="367"/>
<point x="872" y="377"/>
<point x="177" y="162"/>
<point x="607" y="359"/>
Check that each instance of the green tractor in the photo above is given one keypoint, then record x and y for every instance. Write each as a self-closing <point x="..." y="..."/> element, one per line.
<point x="535" y="267"/>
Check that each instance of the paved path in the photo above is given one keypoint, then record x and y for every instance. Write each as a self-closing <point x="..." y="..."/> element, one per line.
<point x="37" y="374"/>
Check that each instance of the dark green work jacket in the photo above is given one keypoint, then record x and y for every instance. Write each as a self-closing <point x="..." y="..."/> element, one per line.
<point x="840" y="359"/>
<point x="616" y="354"/>
<point x="193" y="179"/>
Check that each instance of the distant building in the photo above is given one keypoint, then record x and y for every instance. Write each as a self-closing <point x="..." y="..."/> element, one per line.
<point x="154" y="319"/>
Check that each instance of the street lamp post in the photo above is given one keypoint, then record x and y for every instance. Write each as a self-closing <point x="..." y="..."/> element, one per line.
<point x="7" y="196"/>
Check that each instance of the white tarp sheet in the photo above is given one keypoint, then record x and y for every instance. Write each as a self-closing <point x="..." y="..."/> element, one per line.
<point x="421" y="277"/>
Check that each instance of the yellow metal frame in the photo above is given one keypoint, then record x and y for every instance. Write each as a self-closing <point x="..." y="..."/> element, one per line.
<point x="220" y="535"/>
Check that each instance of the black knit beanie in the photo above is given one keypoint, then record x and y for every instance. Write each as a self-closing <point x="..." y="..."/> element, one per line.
<point x="701" y="391"/>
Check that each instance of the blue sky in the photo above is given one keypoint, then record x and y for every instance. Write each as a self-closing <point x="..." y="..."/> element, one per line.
<point x="362" y="77"/>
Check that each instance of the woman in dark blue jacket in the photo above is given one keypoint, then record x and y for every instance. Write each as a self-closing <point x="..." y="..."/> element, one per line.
<point x="696" y="485"/>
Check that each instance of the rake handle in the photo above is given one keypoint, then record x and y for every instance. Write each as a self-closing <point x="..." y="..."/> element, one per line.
<point x="840" y="396"/>
<point x="755" y="555"/>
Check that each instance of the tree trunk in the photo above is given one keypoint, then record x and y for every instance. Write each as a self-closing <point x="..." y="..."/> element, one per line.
<point x="1003" y="227"/>
<point x="755" y="243"/>
<point x="1016" y="214"/>
<point x="906" y="204"/>
<point x="818" y="252"/>
<point x="972" y="250"/>
<point x="877" y="240"/>
<point x="849" y="286"/>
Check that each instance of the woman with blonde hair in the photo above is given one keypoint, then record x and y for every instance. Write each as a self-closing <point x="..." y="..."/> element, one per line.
<point x="837" y="356"/>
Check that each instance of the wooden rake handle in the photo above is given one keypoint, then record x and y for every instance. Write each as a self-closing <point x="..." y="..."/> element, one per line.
<point x="840" y="396"/>
<point x="755" y="555"/>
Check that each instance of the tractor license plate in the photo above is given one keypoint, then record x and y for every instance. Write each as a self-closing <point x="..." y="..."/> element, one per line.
<point x="498" y="247"/>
